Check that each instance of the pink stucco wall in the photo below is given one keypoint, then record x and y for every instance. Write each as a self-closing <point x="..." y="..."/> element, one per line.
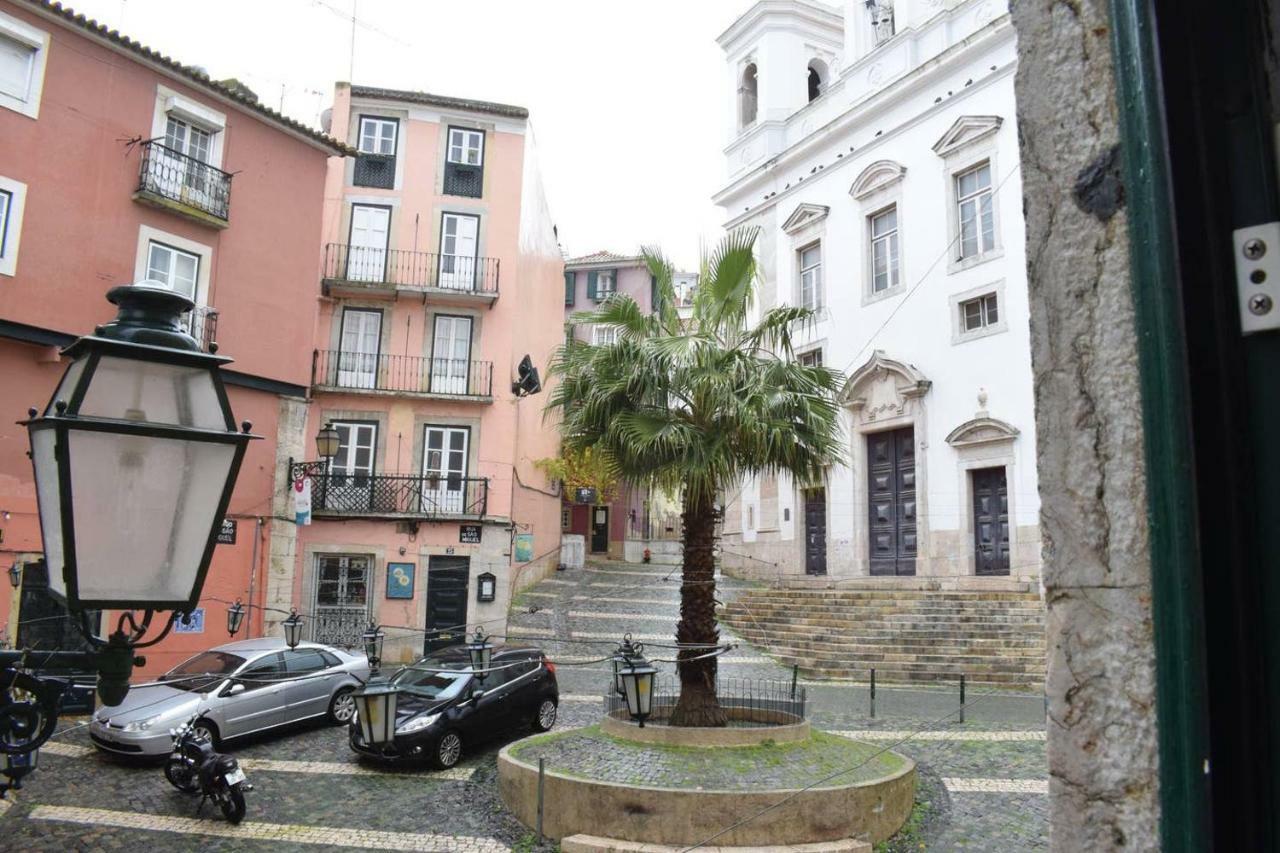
<point x="80" y="237"/>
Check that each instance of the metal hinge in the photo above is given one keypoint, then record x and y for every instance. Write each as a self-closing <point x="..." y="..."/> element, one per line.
<point x="1258" y="276"/>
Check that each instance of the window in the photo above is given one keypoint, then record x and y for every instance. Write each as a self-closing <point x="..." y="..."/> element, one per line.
<point x="605" y="285"/>
<point x="378" y="136"/>
<point x="23" y="51"/>
<point x="13" y="194"/>
<point x="811" y="277"/>
<point x="570" y="286"/>
<point x="747" y="96"/>
<point x="817" y="79"/>
<point x="302" y="661"/>
<point x="464" y="163"/>
<point x="881" y="12"/>
<point x="6" y="203"/>
<point x="980" y="313"/>
<point x="884" y="250"/>
<point x="356" y="441"/>
<point x="812" y="358"/>
<point x="184" y="138"/>
<point x="466" y="146"/>
<point x="175" y="269"/>
<point x="976" y="216"/>
<point x="566" y="519"/>
<point x="604" y="336"/>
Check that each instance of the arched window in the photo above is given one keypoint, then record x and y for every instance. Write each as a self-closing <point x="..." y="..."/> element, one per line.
<point x="817" y="78"/>
<point x="747" y="96"/>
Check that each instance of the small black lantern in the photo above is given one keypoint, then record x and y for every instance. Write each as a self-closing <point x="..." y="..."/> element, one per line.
<point x="621" y="655"/>
<point x="376" y="711"/>
<point x="135" y="457"/>
<point x="373" y="638"/>
<point x="292" y="629"/>
<point x="15" y="574"/>
<point x="486" y="587"/>
<point x="327" y="442"/>
<point x="18" y="765"/>
<point x="235" y="617"/>
<point x="481" y="652"/>
<point x="637" y="687"/>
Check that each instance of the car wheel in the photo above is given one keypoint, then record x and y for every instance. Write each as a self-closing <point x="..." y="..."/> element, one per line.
<point x="546" y="716"/>
<point x="447" y="752"/>
<point x="342" y="707"/>
<point x="207" y="730"/>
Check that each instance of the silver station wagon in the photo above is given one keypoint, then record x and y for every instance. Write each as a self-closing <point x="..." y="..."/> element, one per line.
<point x="235" y="689"/>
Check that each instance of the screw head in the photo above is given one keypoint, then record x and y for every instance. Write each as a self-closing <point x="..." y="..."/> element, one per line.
<point x="1259" y="304"/>
<point x="1254" y="248"/>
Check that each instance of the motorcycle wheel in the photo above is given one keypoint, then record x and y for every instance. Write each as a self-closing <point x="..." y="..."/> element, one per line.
<point x="233" y="805"/>
<point x="181" y="775"/>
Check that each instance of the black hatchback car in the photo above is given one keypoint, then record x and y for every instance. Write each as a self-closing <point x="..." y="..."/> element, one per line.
<point x="443" y="706"/>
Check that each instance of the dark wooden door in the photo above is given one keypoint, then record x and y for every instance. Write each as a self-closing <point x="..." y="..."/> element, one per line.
<point x="891" y="489"/>
<point x="599" y="529"/>
<point x="990" y="521"/>
<point x="815" y="531"/>
<point x="446" y="601"/>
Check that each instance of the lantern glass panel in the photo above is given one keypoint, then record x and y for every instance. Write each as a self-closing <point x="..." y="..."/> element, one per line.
<point x="644" y="691"/>
<point x="49" y="494"/>
<point x="165" y="491"/>
<point x="292" y="631"/>
<point x="618" y="669"/>
<point x="69" y="381"/>
<point x="633" y="697"/>
<point x="376" y="709"/>
<point x="145" y="391"/>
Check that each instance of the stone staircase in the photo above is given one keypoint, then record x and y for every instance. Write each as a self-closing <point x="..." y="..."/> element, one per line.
<point x="907" y="634"/>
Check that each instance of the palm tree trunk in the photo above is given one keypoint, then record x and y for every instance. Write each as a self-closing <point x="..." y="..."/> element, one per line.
<point x="698" y="705"/>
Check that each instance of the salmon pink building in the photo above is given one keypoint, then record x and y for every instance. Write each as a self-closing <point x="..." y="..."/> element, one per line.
<point x="441" y="277"/>
<point x="119" y="165"/>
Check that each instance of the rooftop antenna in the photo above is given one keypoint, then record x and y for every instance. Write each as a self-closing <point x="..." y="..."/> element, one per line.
<point x="351" y="65"/>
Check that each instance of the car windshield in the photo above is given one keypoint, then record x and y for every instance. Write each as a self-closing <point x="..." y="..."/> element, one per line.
<point x="203" y="670"/>
<point x="425" y="679"/>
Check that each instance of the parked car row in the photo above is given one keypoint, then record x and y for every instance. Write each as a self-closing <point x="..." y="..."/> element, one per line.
<point x="253" y="686"/>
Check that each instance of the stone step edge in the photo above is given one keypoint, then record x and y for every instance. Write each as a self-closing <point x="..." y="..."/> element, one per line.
<point x="597" y="844"/>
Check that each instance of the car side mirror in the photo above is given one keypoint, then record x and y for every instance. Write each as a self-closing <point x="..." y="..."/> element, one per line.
<point x="235" y="689"/>
<point x="477" y="693"/>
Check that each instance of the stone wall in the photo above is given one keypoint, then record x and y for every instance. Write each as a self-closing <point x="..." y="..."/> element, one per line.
<point x="1101" y="681"/>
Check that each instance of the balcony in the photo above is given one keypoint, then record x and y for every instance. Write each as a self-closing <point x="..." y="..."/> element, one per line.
<point x="375" y="170"/>
<point x="402" y="375"/>
<point x="463" y="179"/>
<point x="363" y="272"/>
<point x="201" y="323"/>
<point x="398" y="496"/>
<point x="170" y="180"/>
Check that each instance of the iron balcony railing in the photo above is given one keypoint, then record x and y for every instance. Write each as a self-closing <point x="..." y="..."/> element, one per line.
<point x="375" y="170"/>
<point x="411" y="269"/>
<point x="463" y="179"/>
<point x="428" y="496"/>
<point x="173" y="175"/>
<point x="202" y="324"/>
<point x="404" y="373"/>
<point x="339" y="626"/>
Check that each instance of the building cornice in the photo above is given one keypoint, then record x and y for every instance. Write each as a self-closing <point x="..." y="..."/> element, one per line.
<point x="818" y="16"/>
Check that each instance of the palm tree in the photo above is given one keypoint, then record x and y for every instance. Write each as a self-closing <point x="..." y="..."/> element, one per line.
<point x="692" y="407"/>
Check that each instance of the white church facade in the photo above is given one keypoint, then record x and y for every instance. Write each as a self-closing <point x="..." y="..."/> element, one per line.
<point x="875" y="148"/>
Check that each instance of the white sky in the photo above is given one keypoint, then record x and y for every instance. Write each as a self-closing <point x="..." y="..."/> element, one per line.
<point x="626" y="96"/>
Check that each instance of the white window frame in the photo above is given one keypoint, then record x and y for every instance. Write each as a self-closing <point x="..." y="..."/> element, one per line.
<point x="959" y="334"/>
<point x="801" y="270"/>
<point x="22" y="33"/>
<point x="810" y="357"/>
<point x="148" y="235"/>
<point x="603" y="334"/>
<point x="975" y="198"/>
<point x="11" y="224"/>
<point x="893" y="241"/>
<point x="352" y="426"/>
<point x="468" y="135"/>
<point x="959" y="163"/>
<point x="380" y="121"/>
<point x="604" y="291"/>
<point x="171" y="254"/>
<point x="171" y="104"/>
<point x="190" y="132"/>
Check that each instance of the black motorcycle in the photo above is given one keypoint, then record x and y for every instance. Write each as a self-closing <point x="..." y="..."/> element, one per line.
<point x="196" y="768"/>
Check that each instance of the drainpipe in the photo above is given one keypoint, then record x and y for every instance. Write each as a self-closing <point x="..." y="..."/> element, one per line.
<point x="253" y="571"/>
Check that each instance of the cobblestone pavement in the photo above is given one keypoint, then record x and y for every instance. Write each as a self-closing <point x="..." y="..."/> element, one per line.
<point x="979" y="780"/>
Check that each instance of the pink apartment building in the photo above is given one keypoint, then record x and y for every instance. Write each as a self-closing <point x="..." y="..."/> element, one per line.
<point x="440" y="275"/>
<point x="117" y="165"/>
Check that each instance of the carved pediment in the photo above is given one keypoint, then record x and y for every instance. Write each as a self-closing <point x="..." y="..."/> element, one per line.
<point x="882" y="386"/>
<point x="981" y="431"/>
<point x="877" y="176"/>
<point x="805" y="215"/>
<point x="966" y="131"/>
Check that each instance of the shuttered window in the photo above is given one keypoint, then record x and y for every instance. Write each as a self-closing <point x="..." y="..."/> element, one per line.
<point x="570" y="285"/>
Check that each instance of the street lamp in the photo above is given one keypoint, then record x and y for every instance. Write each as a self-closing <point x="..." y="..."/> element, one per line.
<point x="292" y="629"/>
<point x="327" y="442"/>
<point x="15" y="575"/>
<point x="373" y="638"/>
<point x="376" y="711"/>
<point x="637" y="687"/>
<point x="481" y="652"/>
<point x="624" y="652"/>
<point x="235" y="617"/>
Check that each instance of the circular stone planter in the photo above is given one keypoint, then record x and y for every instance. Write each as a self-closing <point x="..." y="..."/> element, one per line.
<point x="652" y="793"/>
<point x="771" y="728"/>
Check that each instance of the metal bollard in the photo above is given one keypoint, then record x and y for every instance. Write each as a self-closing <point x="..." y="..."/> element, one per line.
<point x="873" y="692"/>
<point x="962" y="698"/>
<point x="795" y="674"/>
<point x="542" y="772"/>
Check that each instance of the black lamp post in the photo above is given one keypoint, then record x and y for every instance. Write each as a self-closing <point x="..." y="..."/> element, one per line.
<point x="135" y="457"/>
<point x="235" y="617"/>
<point x="624" y="652"/>
<point x="637" y="686"/>
<point x="292" y="629"/>
<point x="15" y="575"/>
<point x="373" y="638"/>
<point x="481" y="652"/>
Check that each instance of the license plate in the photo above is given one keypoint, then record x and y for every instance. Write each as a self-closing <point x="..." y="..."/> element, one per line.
<point x="235" y="776"/>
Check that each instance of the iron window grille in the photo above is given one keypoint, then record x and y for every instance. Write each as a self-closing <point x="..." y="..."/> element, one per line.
<point x="170" y="174"/>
